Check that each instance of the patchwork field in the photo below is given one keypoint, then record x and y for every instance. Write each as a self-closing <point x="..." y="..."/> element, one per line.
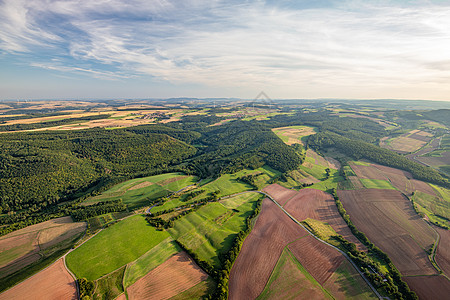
<point x="24" y="247"/>
<point x="314" y="204"/>
<point x="409" y="142"/>
<point x="211" y="229"/>
<point x="372" y="175"/>
<point x="150" y="260"/>
<point x="389" y="221"/>
<point x="261" y="250"/>
<point x="52" y="283"/>
<point x="294" y="134"/>
<point x="138" y="192"/>
<point x="290" y="280"/>
<point x="178" y="274"/>
<point x="320" y="260"/>
<point x="114" y="247"/>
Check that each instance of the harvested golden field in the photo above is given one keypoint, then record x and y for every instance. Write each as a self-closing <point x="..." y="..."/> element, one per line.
<point x="178" y="274"/>
<point x="53" y="282"/>
<point x="390" y="222"/>
<point x="23" y="247"/>
<point x="293" y="134"/>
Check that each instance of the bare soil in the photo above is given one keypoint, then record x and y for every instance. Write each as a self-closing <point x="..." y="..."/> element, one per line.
<point x="429" y="287"/>
<point x="390" y="222"/>
<point x="279" y="193"/>
<point x="320" y="260"/>
<point x="176" y="275"/>
<point x="22" y="247"/>
<point x="443" y="250"/>
<point x="318" y="205"/>
<point x="260" y="252"/>
<point x="51" y="283"/>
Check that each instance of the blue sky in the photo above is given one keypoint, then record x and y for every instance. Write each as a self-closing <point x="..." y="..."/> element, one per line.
<point x="289" y="49"/>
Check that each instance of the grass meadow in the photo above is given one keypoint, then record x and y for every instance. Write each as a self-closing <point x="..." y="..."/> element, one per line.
<point x="114" y="247"/>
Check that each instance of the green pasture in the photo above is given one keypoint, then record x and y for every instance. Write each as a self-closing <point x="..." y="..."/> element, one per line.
<point x="376" y="184"/>
<point x="150" y="188"/>
<point x="150" y="260"/>
<point x="211" y="229"/>
<point x="436" y="205"/>
<point x="114" y="247"/>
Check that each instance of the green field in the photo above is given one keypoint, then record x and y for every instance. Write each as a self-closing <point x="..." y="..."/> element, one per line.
<point x="211" y="229"/>
<point x="329" y="184"/>
<point x="114" y="247"/>
<point x="290" y="275"/>
<point x="376" y="184"/>
<point x="109" y="287"/>
<point x="198" y="291"/>
<point x="227" y="184"/>
<point x="150" y="260"/>
<point x="436" y="208"/>
<point x="137" y="192"/>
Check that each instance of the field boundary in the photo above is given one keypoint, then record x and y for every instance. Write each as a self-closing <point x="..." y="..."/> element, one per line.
<point x="322" y="241"/>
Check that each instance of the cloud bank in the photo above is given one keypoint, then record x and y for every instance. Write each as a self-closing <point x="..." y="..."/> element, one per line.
<point x="337" y="48"/>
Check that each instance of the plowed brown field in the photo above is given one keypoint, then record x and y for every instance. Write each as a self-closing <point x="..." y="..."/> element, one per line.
<point x="400" y="179"/>
<point x="429" y="287"/>
<point x="443" y="250"/>
<point x="367" y="172"/>
<point x="318" y="259"/>
<point x="22" y="247"/>
<point x="51" y="283"/>
<point x="389" y="221"/>
<point x="316" y="204"/>
<point x="174" y="276"/>
<point x="279" y="193"/>
<point x="260" y="252"/>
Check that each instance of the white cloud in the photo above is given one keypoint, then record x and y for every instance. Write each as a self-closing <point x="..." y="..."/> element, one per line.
<point x="239" y="45"/>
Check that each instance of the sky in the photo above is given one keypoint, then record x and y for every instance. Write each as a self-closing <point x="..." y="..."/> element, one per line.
<point x="81" y="49"/>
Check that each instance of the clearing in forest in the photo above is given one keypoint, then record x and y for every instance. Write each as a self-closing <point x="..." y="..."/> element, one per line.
<point x="294" y="134"/>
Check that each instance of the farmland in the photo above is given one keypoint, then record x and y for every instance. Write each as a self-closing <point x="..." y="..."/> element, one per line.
<point x="176" y="275"/>
<point x="114" y="247"/>
<point x="409" y="142"/>
<point x="261" y="250"/>
<point x="138" y="192"/>
<point x="294" y="134"/>
<point x="314" y="204"/>
<point x="289" y="279"/>
<point x="211" y="161"/>
<point x="211" y="229"/>
<point x="52" y="283"/>
<point x="30" y="247"/>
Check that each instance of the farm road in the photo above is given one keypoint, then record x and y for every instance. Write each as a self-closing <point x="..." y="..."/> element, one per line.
<point x="322" y="241"/>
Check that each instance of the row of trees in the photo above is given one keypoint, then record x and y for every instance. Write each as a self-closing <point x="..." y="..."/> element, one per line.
<point x="359" y="149"/>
